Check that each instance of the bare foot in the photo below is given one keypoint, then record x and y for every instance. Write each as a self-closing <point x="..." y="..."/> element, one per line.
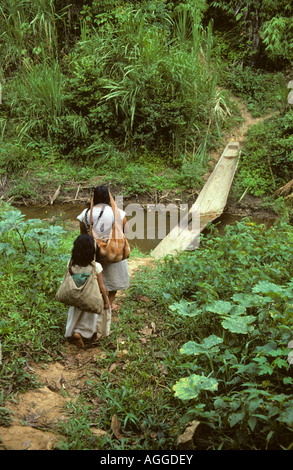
<point x="77" y="340"/>
<point x="114" y="307"/>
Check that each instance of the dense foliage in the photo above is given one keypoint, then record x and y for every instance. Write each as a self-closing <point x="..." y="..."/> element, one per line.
<point x="105" y="82"/>
<point x="29" y="324"/>
<point x="267" y="157"/>
<point x="229" y="306"/>
<point x="129" y="79"/>
<point x="138" y="94"/>
<point x="260" y="32"/>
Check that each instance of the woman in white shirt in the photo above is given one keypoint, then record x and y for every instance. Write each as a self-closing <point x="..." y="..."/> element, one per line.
<point x="115" y="275"/>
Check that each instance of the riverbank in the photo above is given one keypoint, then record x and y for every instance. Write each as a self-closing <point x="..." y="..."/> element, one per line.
<point x="46" y="184"/>
<point x="80" y="195"/>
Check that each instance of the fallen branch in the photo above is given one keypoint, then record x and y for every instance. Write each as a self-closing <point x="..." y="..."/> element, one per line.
<point x="285" y="189"/>
<point x="68" y="199"/>
<point x="77" y="192"/>
<point x="52" y="199"/>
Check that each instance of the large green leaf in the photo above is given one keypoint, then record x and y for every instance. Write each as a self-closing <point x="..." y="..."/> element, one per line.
<point x="190" y="387"/>
<point x="269" y="288"/>
<point x="207" y="345"/>
<point x="186" y="309"/>
<point x="235" y="418"/>
<point x="237" y="310"/>
<point x="237" y="324"/>
<point x="287" y="416"/>
<point x="221" y="307"/>
<point x="249" y="300"/>
<point x="49" y="236"/>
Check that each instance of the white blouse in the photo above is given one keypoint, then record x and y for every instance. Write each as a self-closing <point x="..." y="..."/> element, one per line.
<point x="101" y="225"/>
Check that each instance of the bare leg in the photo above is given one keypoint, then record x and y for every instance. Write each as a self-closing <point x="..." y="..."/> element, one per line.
<point x="111" y="296"/>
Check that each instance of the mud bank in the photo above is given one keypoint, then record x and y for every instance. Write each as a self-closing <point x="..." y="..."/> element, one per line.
<point x="249" y="206"/>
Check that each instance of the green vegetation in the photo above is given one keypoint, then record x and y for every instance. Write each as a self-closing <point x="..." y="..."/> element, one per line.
<point x="137" y="90"/>
<point x="267" y="157"/>
<point x="138" y="95"/>
<point x="28" y="285"/>
<point x="126" y="84"/>
<point x="258" y="32"/>
<point x="201" y="336"/>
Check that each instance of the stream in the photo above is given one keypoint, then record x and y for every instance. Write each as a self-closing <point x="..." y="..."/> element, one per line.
<point x="62" y="213"/>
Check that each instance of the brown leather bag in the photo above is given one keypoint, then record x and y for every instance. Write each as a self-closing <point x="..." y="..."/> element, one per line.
<point x="116" y="247"/>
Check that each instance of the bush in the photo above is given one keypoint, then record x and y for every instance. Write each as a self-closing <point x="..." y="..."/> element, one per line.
<point x="266" y="161"/>
<point x="14" y="157"/>
<point x="262" y="91"/>
<point x="131" y="84"/>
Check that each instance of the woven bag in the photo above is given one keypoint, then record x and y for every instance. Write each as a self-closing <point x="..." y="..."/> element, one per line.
<point x="116" y="247"/>
<point x="88" y="297"/>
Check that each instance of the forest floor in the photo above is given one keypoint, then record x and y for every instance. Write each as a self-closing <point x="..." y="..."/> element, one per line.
<point x="37" y="412"/>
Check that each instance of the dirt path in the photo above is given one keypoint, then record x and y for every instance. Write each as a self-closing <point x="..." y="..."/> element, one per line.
<point x="238" y="134"/>
<point x="37" y="412"/>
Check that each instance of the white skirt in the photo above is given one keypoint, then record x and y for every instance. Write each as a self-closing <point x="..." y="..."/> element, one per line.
<point x="86" y="323"/>
<point x="116" y="275"/>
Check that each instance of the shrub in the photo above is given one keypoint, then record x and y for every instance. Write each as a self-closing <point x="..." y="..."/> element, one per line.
<point x="229" y="305"/>
<point x="31" y="321"/>
<point x="135" y="86"/>
<point x="262" y="91"/>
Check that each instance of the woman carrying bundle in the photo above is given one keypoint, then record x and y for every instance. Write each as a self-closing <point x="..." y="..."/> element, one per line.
<point x="115" y="275"/>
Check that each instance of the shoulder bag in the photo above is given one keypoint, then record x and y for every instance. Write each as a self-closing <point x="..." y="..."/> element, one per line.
<point x="116" y="247"/>
<point x="87" y="297"/>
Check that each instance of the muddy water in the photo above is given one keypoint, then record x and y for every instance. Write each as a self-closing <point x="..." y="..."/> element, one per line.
<point x="63" y="213"/>
<point x="149" y="235"/>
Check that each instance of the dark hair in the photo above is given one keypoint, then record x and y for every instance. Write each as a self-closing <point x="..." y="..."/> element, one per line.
<point x="83" y="251"/>
<point x="101" y="195"/>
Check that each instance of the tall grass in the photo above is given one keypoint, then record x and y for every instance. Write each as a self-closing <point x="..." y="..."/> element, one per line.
<point x="134" y="81"/>
<point x="162" y="88"/>
<point x="37" y="100"/>
<point x="28" y="31"/>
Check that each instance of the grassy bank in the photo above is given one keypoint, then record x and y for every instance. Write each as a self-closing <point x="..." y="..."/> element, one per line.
<point x="143" y="178"/>
<point x="142" y="97"/>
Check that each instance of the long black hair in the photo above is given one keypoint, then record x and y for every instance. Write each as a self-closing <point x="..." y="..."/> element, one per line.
<point x="84" y="249"/>
<point x="101" y="195"/>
